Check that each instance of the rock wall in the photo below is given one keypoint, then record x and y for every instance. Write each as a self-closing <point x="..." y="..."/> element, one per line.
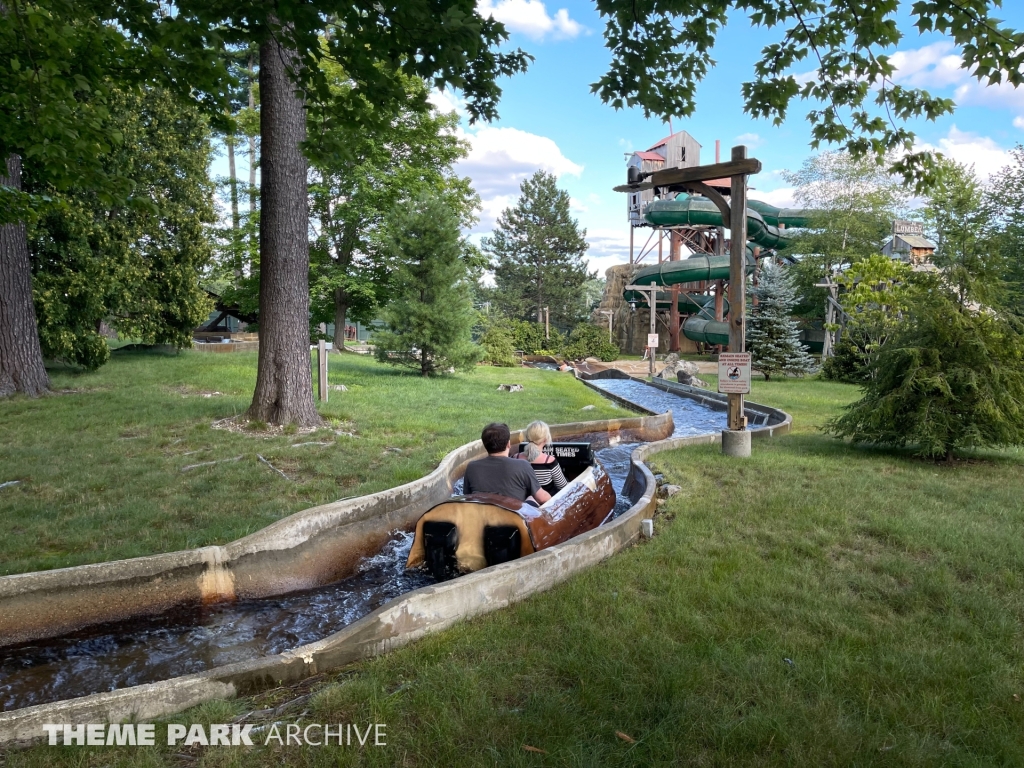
<point x="630" y="328"/>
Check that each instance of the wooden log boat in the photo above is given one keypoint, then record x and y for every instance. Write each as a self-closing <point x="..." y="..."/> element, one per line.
<point x="470" y="532"/>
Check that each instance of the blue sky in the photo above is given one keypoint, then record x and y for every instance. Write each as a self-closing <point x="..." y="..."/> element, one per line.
<point x="549" y="119"/>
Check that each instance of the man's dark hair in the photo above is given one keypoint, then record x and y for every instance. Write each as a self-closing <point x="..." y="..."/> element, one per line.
<point x="495" y="437"/>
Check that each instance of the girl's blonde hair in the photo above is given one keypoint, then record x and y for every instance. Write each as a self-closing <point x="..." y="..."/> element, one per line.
<point x="537" y="434"/>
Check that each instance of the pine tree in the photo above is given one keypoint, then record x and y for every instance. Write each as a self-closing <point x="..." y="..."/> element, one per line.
<point x="429" y="320"/>
<point x="772" y="336"/>
<point x="537" y="251"/>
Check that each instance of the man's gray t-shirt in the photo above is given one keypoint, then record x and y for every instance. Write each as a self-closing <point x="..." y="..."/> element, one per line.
<point x="499" y="474"/>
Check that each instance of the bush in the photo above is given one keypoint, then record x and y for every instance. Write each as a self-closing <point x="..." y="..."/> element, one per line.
<point x="588" y="340"/>
<point x="499" y="346"/>
<point x="529" y="338"/>
<point x="849" y="359"/>
<point x="948" y="379"/>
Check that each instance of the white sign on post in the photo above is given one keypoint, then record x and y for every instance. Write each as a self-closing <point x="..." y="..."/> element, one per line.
<point x="652" y="340"/>
<point x="734" y="373"/>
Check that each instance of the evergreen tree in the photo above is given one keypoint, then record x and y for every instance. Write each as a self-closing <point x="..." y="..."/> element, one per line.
<point x="537" y="253"/>
<point x="351" y="193"/>
<point x="950" y="378"/>
<point x="772" y="336"/>
<point x="429" y="321"/>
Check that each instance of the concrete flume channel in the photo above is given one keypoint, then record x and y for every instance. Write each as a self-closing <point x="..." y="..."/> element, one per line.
<point x="315" y="547"/>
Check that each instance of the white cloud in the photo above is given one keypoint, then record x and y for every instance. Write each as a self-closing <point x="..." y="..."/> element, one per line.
<point x="610" y="246"/>
<point x="933" y="66"/>
<point x="577" y="205"/>
<point x="530" y="17"/>
<point x="999" y="96"/>
<point x="501" y="158"/>
<point x="938" y="66"/>
<point x="752" y="140"/>
<point x="784" y="197"/>
<point x="1018" y="122"/>
<point x="446" y="101"/>
<point x="983" y="153"/>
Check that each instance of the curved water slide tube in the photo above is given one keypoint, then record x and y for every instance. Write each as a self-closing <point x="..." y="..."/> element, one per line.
<point x="763" y="221"/>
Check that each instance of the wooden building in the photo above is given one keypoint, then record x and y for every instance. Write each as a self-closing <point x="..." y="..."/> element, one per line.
<point x="908" y="243"/>
<point x="680" y="150"/>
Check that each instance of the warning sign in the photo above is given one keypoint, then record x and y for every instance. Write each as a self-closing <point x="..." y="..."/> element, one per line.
<point x="652" y="340"/>
<point x="734" y="373"/>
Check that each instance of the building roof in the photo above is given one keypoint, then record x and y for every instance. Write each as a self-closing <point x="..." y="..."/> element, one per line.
<point x="916" y="241"/>
<point x="650" y="156"/>
<point x="666" y="139"/>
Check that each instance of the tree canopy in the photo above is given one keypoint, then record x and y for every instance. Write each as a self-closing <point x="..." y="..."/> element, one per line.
<point x="950" y="378"/>
<point x="958" y="216"/>
<point x="135" y="264"/>
<point x="410" y="153"/>
<point x="1006" y="205"/>
<point x="661" y="51"/>
<point x="851" y="204"/>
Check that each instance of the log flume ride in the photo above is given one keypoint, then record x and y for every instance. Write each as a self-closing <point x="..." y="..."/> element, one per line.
<point x="470" y="532"/>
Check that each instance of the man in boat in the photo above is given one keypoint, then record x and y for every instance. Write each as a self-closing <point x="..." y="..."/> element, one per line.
<point x="500" y="474"/>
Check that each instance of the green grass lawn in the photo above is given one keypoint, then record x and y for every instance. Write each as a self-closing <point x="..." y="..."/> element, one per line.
<point x="101" y="463"/>
<point x="816" y="605"/>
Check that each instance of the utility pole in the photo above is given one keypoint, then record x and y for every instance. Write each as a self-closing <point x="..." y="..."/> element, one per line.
<point x="547" y="322"/>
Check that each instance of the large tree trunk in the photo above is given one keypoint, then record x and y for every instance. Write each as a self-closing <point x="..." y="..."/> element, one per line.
<point x="284" y="383"/>
<point x="21" y="357"/>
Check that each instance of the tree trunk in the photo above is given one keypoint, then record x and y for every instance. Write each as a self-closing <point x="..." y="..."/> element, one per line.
<point x="21" y="357"/>
<point x="236" y="224"/>
<point x="253" y="161"/>
<point x="284" y="382"/>
<point x="340" y="312"/>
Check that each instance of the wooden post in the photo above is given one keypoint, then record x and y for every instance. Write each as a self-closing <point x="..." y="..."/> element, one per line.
<point x="737" y="279"/>
<point x="653" y="301"/>
<point x="674" y="254"/>
<point x="547" y="322"/>
<point x="321" y="365"/>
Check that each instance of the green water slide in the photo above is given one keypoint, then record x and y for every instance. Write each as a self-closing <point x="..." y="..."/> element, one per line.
<point x="765" y="227"/>
<point x="689" y="303"/>
<point x="763" y="220"/>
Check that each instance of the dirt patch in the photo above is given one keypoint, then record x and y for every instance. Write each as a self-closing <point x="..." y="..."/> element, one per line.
<point x="186" y="391"/>
<point x="243" y="426"/>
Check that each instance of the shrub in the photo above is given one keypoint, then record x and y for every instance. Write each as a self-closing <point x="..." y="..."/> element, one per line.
<point x="948" y="379"/>
<point x="588" y="340"/>
<point x="499" y="345"/>
<point x="530" y="338"/>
